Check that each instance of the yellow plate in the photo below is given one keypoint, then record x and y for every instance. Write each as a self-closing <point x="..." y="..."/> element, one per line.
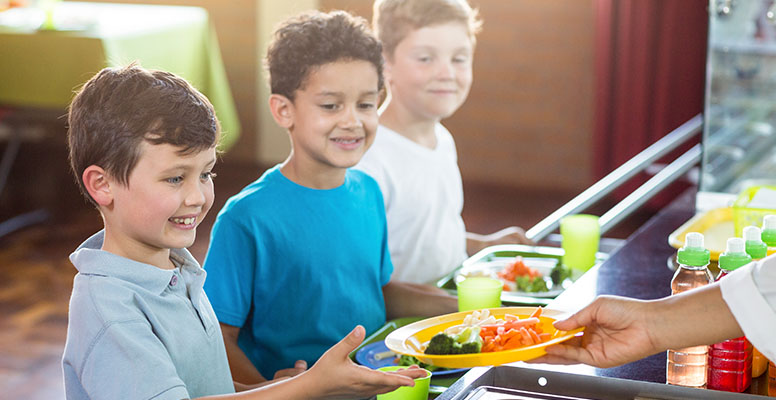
<point x="410" y="339"/>
<point x="716" y="225"/>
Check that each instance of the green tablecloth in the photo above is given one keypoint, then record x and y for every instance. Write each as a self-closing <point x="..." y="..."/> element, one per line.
<point x="44" y="68"/>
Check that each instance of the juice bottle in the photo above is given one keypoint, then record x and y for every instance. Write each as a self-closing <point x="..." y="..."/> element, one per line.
<point x="757" y="249"/>
<point x="687" y="367"/>
<point x="769" y="233"/>
<point x="730" y="362"/>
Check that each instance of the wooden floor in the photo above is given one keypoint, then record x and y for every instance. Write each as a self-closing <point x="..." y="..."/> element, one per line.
<point x="36" y="275"/>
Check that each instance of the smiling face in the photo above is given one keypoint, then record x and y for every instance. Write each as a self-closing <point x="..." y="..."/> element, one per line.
<point x="332" y="121"/>
<point x="430" y="71"/>
<point x="167" y="196"/>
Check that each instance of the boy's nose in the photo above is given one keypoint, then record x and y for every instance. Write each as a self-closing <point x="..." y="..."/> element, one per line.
<point x="350" y="119"/>
<point x="196" y="195"/>
<point x="446" y="70"/>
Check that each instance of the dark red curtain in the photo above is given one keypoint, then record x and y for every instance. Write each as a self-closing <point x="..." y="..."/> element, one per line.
<point x="650" y="67"/>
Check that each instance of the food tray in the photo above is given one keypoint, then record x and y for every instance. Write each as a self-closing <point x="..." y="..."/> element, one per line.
<point x="489" y="256"/>
<point x="716" y="225"/>
<point x="743" y="215"/>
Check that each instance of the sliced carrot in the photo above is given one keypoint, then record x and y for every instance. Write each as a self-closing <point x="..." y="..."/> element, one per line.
<point x="536" y="313"/>
<point x="534" y="336"/>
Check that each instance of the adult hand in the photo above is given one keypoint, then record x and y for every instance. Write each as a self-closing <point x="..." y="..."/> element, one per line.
<point x="337" y="377"/>
<point x="617" y="331"/>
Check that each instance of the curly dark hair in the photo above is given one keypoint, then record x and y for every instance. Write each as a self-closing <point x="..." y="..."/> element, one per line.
<point x="119" y="108"/>
<point x="313" y="39"/>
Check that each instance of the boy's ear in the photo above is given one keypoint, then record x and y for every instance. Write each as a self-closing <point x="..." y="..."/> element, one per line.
<point x="387" y="67"/>
<point x="98" y="185"/>
<point x="282" y="109"/>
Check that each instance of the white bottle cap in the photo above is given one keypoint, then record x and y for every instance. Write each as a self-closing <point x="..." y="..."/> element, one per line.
<point x="735" y="245"/>
<point x="769" y="222"/>
<point x="693" y="240"/>
<point x="752" y="233"/>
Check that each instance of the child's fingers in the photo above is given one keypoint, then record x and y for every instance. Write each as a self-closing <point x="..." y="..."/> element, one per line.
<point x="352" y="340"/>
<point x="411" y="372"/>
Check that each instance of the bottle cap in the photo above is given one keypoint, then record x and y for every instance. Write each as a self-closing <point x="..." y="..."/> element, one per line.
<point x="769" y="230"/>
<point x="769" y="222"/>
<point x="693" y="253"/>
<point x="754" y="245"/>
<point x="734" y="256"/>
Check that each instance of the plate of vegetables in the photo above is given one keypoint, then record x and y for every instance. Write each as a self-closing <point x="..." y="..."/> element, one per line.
<point x="492" y="336"/>
<point x="523" y="276"/>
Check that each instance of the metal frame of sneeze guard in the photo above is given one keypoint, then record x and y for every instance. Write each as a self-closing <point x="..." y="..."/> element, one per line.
<point x="613" y="180"/>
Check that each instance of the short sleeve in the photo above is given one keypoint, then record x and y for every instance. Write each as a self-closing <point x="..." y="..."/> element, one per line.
<point x="127" y="361"/>
<point x="229" y="264"/>
<point x="750" y="293"/>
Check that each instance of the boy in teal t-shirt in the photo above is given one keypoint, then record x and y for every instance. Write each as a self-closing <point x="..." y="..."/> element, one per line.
<point x="300" y="256"/>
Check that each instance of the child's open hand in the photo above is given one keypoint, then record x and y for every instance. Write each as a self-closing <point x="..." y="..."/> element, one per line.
<point x="617" y="331"/>
<point x="335" y="376"/>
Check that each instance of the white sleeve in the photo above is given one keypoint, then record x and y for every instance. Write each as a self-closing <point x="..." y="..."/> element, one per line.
<point x="750" y="293"/>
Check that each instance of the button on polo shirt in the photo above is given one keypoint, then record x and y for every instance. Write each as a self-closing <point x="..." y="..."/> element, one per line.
<point x="137" y="331"/>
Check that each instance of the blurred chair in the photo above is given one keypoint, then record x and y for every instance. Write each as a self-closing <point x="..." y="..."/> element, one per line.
<point x="6" y="163"/>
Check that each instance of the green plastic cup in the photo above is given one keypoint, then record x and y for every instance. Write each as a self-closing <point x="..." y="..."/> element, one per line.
<point x="580" y="234"/>
<point x="417" y="392"/>
<point x="479" y="292"/>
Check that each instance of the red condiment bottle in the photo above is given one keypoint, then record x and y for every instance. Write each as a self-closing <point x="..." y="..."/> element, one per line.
<point x="730" y="362"/>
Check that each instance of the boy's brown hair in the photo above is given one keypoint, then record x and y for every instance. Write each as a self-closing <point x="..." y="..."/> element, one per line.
<point x="119" y="108"/>
<point x="392" y="20"/>
<point x="310" y="40"/>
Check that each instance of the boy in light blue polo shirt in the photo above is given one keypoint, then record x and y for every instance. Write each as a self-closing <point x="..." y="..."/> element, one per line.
<point x="304" y="250"/>
<point x="142" y="148"/>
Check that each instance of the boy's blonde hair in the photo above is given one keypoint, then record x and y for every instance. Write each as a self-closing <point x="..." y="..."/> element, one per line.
<point x="392" y="20"/>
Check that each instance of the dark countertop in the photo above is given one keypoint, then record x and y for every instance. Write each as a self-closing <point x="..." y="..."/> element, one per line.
<point x="638" y="269"/>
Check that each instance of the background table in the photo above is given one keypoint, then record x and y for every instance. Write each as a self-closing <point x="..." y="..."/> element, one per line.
<point x="43" y="68"/>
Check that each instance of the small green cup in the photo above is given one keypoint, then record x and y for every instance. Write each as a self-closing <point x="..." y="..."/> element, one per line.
<point x="580" y="234"/>
<point x="479" y="292"/>
<point x="417" y="392"/>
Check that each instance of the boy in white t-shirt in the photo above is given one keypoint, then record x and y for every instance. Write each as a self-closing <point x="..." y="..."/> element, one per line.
<point x="428" y="47"/>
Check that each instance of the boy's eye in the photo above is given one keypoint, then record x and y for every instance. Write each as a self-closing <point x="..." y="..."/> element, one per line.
<point x="329" y="106"/>
<point x="424" y="59"/>
<point x="366" y="106"/>
<point x="207" y="175"/>
<point x="175" y="180"/>
<point x="460" y="59"/>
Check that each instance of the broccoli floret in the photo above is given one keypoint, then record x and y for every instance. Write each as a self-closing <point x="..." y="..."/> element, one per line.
<point x="559" y="274"/>
<point x="440" y="344"/>
<point x="531" y="285"/>
<point x="406" y="361"/>
<point x="468" y="341"/>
